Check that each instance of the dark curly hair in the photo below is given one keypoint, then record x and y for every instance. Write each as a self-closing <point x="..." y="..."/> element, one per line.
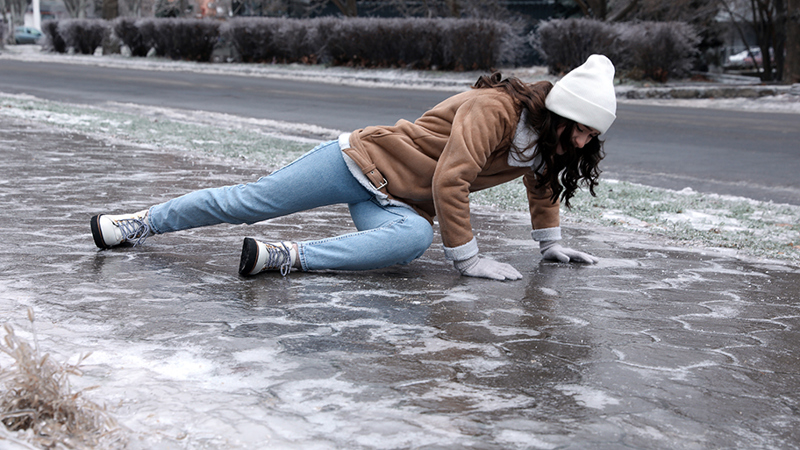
<point x="563" y="174"/>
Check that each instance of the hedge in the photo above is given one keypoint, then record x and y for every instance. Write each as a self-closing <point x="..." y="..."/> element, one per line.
<point x="53" y="40"/>
<point x="654" y="50"/>
<point x="273" y="40"/>
<point x="446" y="44"/>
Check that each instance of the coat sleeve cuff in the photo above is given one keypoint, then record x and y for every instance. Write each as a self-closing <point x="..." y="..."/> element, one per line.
<point x="546" y="234"/>
<point x="462" y="252"/>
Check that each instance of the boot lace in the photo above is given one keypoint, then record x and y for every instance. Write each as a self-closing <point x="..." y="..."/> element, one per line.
<point x="278" y="256"/>
<point x="134" y="230"/>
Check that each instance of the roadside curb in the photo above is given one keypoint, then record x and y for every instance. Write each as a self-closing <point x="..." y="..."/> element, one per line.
<point x="710" y="92"/>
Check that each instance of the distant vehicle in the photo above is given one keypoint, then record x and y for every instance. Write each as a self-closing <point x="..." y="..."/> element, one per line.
<point x="27" y="35"/>
<point x="744" y="60"/>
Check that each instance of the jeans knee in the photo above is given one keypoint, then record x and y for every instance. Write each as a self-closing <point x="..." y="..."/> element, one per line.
<point x="418" y="237"/>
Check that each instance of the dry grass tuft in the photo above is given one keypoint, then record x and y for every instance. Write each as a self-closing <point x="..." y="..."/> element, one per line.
<point x="37" y="405"/>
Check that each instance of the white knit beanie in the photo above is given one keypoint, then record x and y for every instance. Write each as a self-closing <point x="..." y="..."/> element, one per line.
<point x="586" y="94"/>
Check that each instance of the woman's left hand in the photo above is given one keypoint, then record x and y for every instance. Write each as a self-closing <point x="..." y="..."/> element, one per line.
<point x="556" y="252"/>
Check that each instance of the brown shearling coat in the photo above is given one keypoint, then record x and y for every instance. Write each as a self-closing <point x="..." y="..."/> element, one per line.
<point x="459" y="146"/>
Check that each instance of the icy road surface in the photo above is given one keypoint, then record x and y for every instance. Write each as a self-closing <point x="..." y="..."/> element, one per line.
<point x="654" y="347"/>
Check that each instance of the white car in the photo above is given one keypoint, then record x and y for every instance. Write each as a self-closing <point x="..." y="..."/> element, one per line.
<point x="743" y="59"/>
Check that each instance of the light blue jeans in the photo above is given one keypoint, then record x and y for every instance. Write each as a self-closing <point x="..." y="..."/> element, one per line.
<point x="387" y="235"/>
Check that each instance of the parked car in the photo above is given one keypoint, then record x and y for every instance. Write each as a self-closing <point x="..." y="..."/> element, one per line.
<point x="27" y="35"/>
<point x="743" y="60"/>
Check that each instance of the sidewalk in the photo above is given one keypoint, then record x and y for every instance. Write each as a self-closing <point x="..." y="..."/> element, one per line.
<point x="654" y="347"/>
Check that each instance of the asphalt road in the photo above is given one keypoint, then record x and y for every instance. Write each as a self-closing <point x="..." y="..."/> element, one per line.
<point x="750" y="154"/>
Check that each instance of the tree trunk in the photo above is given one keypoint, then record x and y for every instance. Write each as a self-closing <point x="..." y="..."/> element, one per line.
<point x="791" y="72"/>
<point x="584" y="8"/>
<point x="780" y="37"/>
<point x="348" y="8"/>
<point x="600" y="9"/>
<point x="596" y="9"/>
<point x="763" y="23"/>
<point x="453" y="8"/>
<point x="110" y="9"/>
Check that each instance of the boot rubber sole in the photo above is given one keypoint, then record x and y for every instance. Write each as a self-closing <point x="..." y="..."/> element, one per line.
<point x="249" y="257"/>
<point x="97" y="234"/>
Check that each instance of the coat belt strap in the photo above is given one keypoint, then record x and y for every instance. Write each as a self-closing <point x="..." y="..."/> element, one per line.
<point x="376" y="178"/>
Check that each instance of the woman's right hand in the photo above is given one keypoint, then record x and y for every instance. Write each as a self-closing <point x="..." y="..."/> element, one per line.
<point x="556" y="252"/>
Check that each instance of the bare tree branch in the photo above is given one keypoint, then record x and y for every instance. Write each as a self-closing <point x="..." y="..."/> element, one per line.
<point x="584" y="8"/>
<point x="621" y="15"/>
<point x="349" y="9"/>
<point x="740" y="32"/>
<point x="16" y="10"/>
<point x="76" y="8"/>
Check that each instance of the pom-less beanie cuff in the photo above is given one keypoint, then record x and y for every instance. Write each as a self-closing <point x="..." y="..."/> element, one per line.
<point x="586" y="94"/>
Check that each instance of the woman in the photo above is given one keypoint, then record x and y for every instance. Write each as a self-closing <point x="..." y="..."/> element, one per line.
<point x="396" y="179"/>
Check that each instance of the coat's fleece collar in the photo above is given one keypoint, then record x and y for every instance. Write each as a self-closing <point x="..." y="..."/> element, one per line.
<point x="522" y="139"/>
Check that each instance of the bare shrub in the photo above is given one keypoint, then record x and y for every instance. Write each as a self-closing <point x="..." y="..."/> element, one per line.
<point x="147" y="28"/>
<point x="129" y="32"/>
<point x="658" y="50"/>
<point x="380" y="43"/>
<point x="83" y="35"/>
<point x="53" y="41"/>
<point x="447" y="44"/>
<point x="566" y="43"/>
<point x="475" y="44"/>
<point x="273" y="40"/>
<point x="37" y="397"/>
<point x="653" y="50"/>
<point x="186" y="39"/>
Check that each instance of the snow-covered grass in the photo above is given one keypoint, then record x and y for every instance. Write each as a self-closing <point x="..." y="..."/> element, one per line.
<point x="748" y="227"/>
<point x="218" y="135"/>
<point x="743" y="226"/>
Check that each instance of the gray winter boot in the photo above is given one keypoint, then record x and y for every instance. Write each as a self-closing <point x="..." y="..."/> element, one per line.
<point x="109" y="231"/>
<point x="258" y="257"/>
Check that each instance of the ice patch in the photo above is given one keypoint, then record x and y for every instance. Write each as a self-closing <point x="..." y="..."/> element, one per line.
<point x="260" y="354"/>
<point x="178" y="365"/>
<point x="437" y="345"/>
<point x="548" y="291"/>
<point x="525" y="440"/>
<point x="588" y="397"/>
